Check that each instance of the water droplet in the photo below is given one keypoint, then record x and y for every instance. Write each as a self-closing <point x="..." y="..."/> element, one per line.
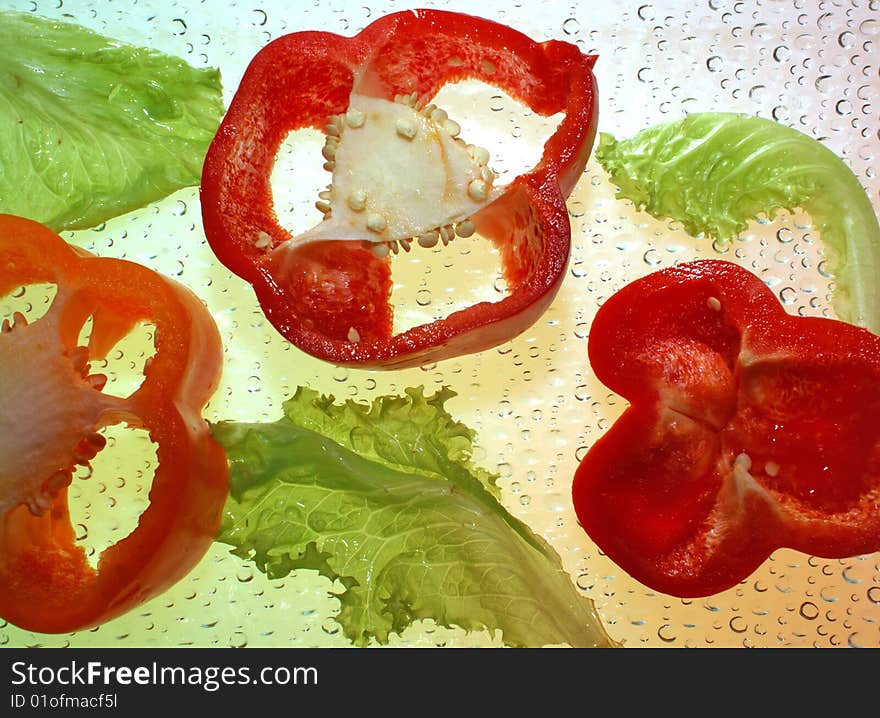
<point x="788" y="295"/>
<point x="809" y="610"/>
<point x="780" y="113"/>
<point x="584" y="581"/>
<point x="652" y="258"/>
<point x="853" y="641"/>
<point x="665" y="634"/>
<point x="823" y="83"/>
<point x="825" y="21"/>
<point x="846" y="39"/>
<point x="784" y="235"/>
<point x="715" y="63"/>
<point x="579" y="269"/>
<point x="238" y="640"/>
<point x="721" y="246"/>
<point x="571" y="26"/>
<point x="576" y="208"/>
<point x="827" y="594"/>
<point x="331" y="628"/>
<point x="761" y="31"/>
<point x="781" y="53"/>
<point x="870" y="27"/>
<point x="738" y="624"/>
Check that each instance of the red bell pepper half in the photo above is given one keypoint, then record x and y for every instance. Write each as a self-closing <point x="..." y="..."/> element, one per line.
<point x="330" y="296"/>
<point x="748" y="430"/>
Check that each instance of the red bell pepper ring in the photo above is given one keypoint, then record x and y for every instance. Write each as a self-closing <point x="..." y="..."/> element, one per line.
<point x="52" y="409"/>
<point x="331" y="298"/>
<point x="748" y="430"/>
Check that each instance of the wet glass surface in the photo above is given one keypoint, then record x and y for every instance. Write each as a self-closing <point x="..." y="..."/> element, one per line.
<point x="534" y="401"/>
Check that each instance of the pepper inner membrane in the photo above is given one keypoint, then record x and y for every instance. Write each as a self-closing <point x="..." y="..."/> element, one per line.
<point x="429" y="282"/>
<point x="110" y="471"/>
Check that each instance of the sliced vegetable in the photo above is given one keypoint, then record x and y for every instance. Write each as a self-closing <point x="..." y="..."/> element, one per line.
<point x="52" y="410"/>
<point x="748" y="430"/>
<point x="715" y="171"/>
<point x="401" y="179"/>
<point x="383" y="499"/>
<point x="90" y="127"/>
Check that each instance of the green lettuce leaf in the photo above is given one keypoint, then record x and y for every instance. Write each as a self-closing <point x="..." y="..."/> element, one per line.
<point x="712" y="172"/>
<point x="91" y="128"/>
<point x="384" y="500"/>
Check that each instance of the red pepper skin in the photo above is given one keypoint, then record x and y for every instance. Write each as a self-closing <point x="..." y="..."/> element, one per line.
<point x="714" y="368"/>
<point x="302" y="79"/>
